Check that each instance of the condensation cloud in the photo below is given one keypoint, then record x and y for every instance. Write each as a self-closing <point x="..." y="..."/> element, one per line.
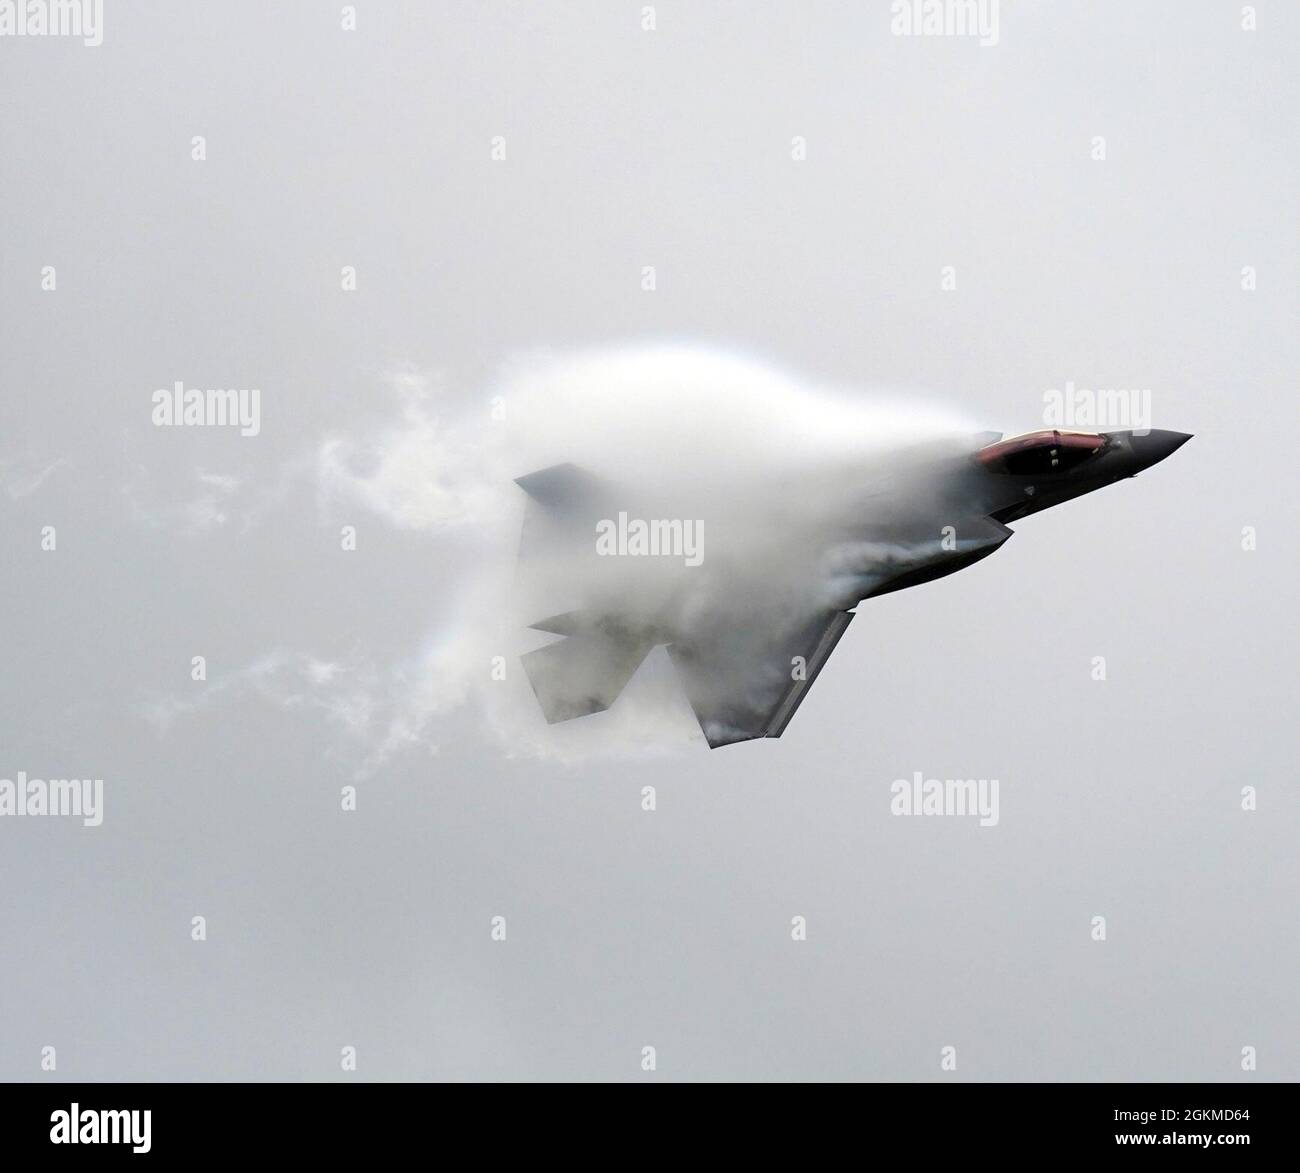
<point x="763" y="459"/>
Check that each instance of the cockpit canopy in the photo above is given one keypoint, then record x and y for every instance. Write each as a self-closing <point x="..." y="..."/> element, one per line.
<point x="1040" y="453"/>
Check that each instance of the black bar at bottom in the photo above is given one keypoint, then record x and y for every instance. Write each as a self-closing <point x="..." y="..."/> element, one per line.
<point x="339" y="1121"/>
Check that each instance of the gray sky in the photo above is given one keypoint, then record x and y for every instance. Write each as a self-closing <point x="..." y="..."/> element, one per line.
<point x="326" y="668"/>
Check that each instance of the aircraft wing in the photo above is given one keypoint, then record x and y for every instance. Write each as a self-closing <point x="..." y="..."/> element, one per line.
<point x="744" y="685"/>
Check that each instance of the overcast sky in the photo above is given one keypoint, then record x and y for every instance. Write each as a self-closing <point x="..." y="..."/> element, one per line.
<point x="625" y="147"/>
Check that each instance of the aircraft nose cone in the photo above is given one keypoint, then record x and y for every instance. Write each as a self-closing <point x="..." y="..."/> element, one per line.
<point x="1156" y="445"/>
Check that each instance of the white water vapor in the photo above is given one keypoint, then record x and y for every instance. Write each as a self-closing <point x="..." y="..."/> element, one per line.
<point x="770" y="472"/>
<point x="769" y="459"/>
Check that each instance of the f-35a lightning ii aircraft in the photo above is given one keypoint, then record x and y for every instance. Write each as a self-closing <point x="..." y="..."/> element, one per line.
<point x="747" y="647"/>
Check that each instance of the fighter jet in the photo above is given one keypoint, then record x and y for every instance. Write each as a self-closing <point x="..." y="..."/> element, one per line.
<point x="747" y="648"/>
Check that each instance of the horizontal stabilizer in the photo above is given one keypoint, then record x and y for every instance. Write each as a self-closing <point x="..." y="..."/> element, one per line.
<point x="562" y="486"/>
<point x="584" y="672"/>
<point x="570" y="623"/>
